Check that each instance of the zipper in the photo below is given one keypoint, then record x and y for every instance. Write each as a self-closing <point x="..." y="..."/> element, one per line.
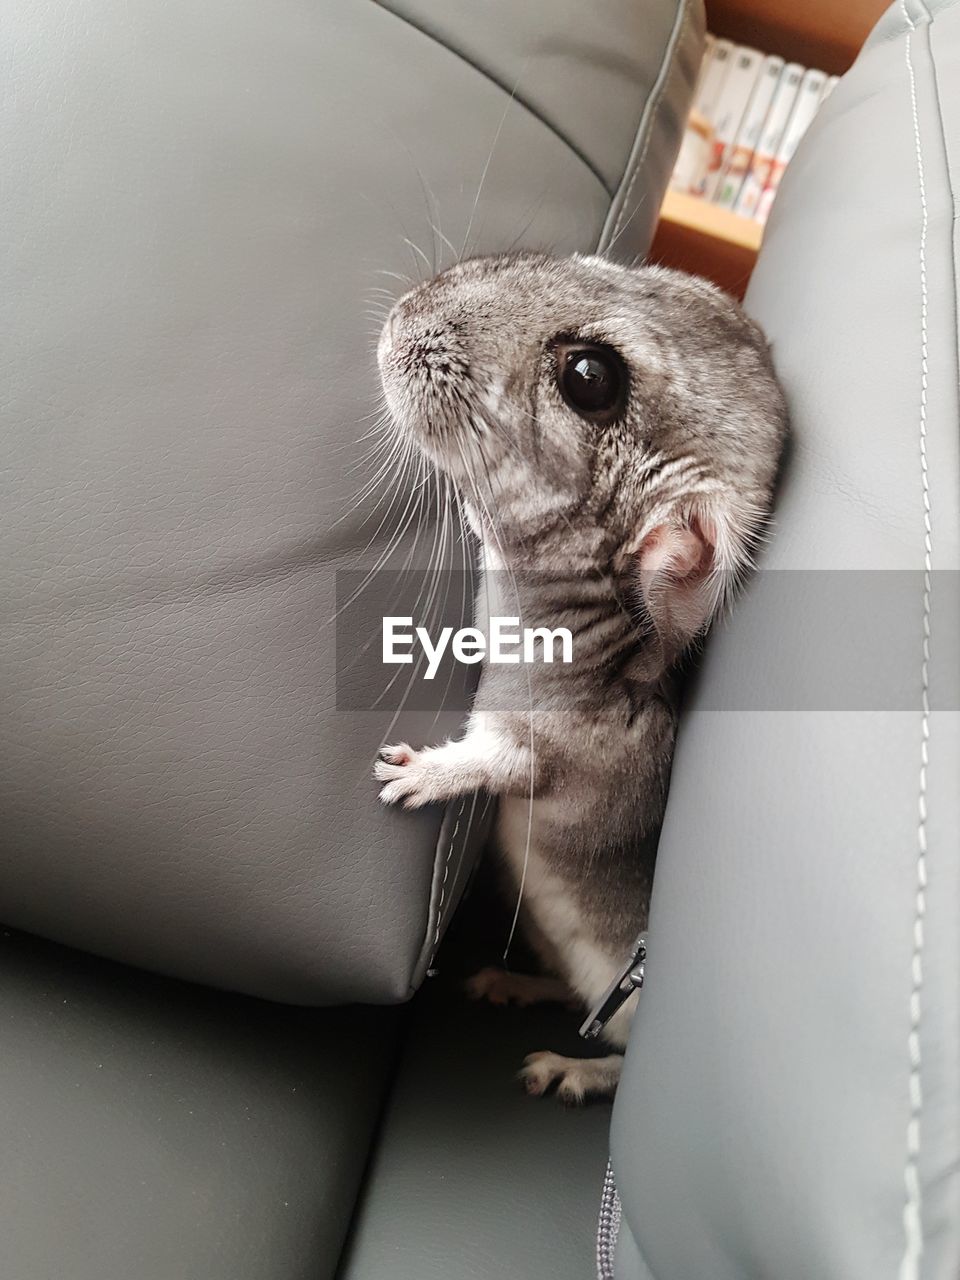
<point x="629" y="979"/>
<point x="608" y="1226"/>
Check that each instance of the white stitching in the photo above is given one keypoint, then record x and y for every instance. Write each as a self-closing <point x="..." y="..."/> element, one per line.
<point x="650" y="130"/>
<point x="912" y="1209"/>
<point x="446" y="872"/>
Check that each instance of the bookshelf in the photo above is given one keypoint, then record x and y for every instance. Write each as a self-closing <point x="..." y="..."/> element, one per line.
<point x="697" y="236"/>
<point x="692" y="233"/>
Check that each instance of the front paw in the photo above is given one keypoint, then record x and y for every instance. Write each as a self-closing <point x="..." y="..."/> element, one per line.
<point x="575" y="1079"/>
<point x="405" y="774"/>
<point x="499" y="987"/>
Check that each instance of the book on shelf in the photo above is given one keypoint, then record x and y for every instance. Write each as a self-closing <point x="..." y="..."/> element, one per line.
<point x="694" y="154"/>
<point x="804" y="109"/>
<point x="713" y="76"/>
<point x="748" y="135"/>
<point x="761" y="162"/>
<point x="706" y="61"/>
<point x="749" y="113"/>
<point x="738" y="85"/>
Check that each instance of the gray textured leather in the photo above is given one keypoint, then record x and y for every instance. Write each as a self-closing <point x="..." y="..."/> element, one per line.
<point x="471" y="1179"/>
<point x="153" y="1130"/>
<point x="198" y="203"/>
<point x="603" y="85"/>
<point x="794" y="1070"/>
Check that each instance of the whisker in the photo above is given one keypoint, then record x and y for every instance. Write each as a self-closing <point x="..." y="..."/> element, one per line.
<point x="639" y="205"/>
<point x="466" y="562"/>
<point x="486" y="167"/>
<point x="431" y="268"/>
<point x="435" y="558"/>
<point x="395" y="275"/>
<point x="388" y="551"/>
<point x="504" y="560"/>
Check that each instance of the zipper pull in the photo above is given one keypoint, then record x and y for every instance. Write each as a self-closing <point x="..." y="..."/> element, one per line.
<point x="628" y="980"/>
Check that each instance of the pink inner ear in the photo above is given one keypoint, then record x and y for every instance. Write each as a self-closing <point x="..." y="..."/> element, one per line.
<point x="679" y="552"/>
<point x="675" y="563"/>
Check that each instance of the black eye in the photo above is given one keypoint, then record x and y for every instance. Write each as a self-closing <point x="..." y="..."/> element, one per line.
<point x="592" y="380"/>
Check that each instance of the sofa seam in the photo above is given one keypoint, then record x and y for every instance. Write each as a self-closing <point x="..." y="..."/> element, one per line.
<point x="433" y="922"/>
<point x="645" y="127"/>
<point x="433" y="925"/>
<point x="951" y="192"/>
<point x="443" y="883"/>
<point x="911" y="1261"/>
<point x="511" y="92"/>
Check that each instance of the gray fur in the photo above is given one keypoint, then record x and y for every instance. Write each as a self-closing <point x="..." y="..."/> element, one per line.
<point x="563" y="507"/>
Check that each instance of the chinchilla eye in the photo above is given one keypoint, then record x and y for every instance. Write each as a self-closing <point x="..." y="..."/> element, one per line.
<point x="592" y="380"/>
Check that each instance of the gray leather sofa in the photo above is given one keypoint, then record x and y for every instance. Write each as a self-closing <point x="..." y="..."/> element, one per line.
<point x="791" y="1104"/>
<point x="199" y="201"/>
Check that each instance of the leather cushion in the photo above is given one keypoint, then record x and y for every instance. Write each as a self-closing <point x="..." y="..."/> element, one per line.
<point x="791" y="1100"/>
<point x="200" y="201"/>
<point x="157" y="1130"/>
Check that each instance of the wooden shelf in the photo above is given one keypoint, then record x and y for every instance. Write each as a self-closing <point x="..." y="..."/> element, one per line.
<point x="697" y="236"/>
<point x="701" y="215"/>
<point x="816" y="33"/>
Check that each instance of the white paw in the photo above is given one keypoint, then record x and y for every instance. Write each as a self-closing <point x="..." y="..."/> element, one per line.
<point x="499" y="987"/>
<point x="575" y="1078"/>
<point x="406" y="775"/>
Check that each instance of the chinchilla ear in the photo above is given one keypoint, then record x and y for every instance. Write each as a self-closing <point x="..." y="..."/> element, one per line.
<point x="687" y="566"/>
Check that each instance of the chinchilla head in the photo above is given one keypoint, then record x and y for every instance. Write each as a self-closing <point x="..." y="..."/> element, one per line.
<point x="595" y="417"/>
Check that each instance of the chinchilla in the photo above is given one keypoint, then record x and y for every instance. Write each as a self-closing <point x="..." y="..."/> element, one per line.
<point x="614" y="435"/>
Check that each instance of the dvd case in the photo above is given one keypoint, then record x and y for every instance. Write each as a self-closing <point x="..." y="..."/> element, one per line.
<point x="703" y="117"/>
<point x="712" y="79"/>
<point x="694" y="154"/>
<point x="748" y="136"/>
<point x="770" y="138"/>
<point x="804" y="109"/>
<point x="749" y="112"/>
<point x="730" y="110"/>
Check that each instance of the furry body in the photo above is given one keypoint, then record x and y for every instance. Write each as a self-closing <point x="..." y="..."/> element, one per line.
<point x="625" y="523"/>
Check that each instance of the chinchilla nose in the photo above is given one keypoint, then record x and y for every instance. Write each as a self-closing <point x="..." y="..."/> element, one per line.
<point x="417" y="339"/>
